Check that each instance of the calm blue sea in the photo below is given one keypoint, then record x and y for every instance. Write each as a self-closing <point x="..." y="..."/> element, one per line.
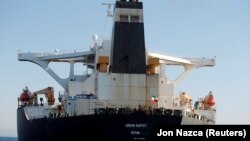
<point x="8" y="138"/>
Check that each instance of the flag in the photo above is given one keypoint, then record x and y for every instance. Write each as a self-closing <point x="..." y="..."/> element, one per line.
<point x="154" y="99"/>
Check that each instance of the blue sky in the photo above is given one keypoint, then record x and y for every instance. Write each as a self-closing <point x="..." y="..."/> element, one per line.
<point x="188" y="28"/>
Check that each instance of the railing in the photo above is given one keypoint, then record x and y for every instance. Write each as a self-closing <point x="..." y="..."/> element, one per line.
<point x="199" y="117"/>
<point x="56" y="52"/>
<point x="128" y="110"/>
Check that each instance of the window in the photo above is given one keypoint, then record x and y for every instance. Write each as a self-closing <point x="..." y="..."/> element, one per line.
<point x="134" y="19"/>
<point x="123" y="18"/>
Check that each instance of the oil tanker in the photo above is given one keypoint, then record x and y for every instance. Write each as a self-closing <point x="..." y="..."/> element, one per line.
<point x="122" y="94"/>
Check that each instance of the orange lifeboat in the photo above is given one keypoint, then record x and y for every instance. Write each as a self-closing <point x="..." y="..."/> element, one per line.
<point x="209" y="100"/>
<point x="25" y="97"/>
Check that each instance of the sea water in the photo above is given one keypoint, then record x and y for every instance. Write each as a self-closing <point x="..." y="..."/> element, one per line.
<point x="8" y="138"/>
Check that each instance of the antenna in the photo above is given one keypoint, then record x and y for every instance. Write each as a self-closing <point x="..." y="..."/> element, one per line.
<point x="109" y="13"/>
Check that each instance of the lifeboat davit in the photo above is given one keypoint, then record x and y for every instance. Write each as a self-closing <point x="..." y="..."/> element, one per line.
<point x="209" y="100"/>
<point x="25" y="97"/>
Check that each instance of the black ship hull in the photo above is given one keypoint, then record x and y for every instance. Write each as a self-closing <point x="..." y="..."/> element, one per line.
<point x="103" y="127"/>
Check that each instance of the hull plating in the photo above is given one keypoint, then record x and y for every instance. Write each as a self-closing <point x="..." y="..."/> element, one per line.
<point x="96" y="127"/>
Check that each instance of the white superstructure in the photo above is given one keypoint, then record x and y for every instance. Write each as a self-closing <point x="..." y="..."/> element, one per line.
<point x="117" y="89"/>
